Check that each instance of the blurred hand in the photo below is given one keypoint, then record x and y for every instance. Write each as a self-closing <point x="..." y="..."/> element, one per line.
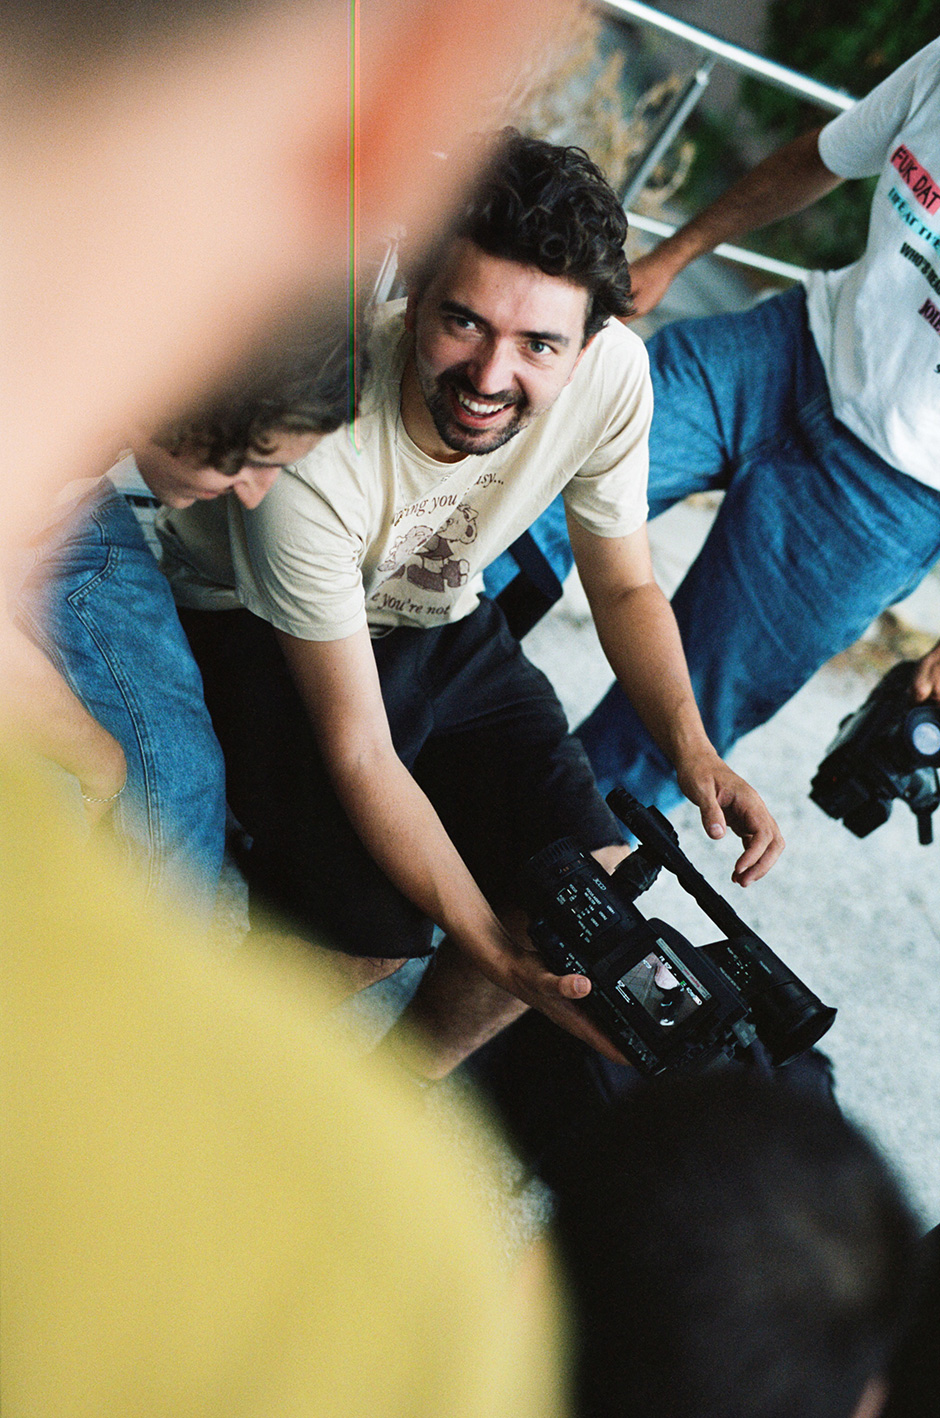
<point x="104" y="781"/>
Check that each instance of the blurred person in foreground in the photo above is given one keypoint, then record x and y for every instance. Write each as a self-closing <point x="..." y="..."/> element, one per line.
<point x="422" y="758"/>
<point x="206" y="1208"/>
<point x="733" y="1250"/>
<point x="175" y="178"/>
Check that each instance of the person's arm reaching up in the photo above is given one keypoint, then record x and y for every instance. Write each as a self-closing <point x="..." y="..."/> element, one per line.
<point x="790" y="179"/>
<point x="640" y="638"/>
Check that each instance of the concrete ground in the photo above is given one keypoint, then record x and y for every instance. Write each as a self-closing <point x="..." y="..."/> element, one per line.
<point x="857" y="919"/>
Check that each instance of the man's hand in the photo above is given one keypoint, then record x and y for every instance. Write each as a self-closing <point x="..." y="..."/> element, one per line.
<point x="926" y="682"/>
<point x="725" y="800"/>
<point x="787" y="181"/>
<point x="557" y="996"/>
<point x="103" y="781"/>
<point x="638" y="632"/>
<point x="650" y="278"/>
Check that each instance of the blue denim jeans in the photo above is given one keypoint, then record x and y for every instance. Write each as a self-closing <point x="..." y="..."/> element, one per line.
<point x="815" y="537"/>
<point x="100" y="608"/>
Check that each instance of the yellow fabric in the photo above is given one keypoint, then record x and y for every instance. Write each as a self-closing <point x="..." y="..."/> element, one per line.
<point x="209" y="1210"/>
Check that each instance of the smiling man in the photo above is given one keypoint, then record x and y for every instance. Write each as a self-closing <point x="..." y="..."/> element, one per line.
<point x="389" y="748"/>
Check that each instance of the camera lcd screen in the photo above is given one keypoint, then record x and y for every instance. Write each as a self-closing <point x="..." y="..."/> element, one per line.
<point x="669" y="999"/>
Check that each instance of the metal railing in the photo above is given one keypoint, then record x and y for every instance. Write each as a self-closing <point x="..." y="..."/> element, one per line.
<point x="713" y="51"/>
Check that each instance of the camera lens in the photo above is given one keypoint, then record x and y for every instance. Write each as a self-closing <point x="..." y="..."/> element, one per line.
<point x="923" y="731"/>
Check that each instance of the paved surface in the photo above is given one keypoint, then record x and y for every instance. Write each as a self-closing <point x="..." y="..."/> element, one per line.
<point x="858" y="920"/>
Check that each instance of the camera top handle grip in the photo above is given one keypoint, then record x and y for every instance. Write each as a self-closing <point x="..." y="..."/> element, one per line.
<point x="790" y="1018"/>
<point x="657" y="833"/>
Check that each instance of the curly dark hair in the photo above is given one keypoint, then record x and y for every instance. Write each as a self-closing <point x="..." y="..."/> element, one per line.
<point x="307" y="380"/>
<point x="551" y="207"/>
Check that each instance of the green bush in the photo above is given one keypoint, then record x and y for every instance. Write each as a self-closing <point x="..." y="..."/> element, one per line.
<point x="850" y="45"/>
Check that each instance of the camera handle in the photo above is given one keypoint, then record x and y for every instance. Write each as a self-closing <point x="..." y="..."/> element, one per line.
<point x="789" y="1017"/>
<point x="658" y="834"/>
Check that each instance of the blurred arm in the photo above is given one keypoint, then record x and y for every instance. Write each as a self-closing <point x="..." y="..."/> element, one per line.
<point x="789" y="180"/>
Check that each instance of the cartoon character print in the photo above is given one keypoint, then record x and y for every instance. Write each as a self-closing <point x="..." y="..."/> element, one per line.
<point x="438" y="567"/>
<point x="402" y="548"/>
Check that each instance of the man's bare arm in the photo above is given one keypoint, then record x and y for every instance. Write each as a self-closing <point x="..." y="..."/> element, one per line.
<point x="339" y="685"/>
<point x="790" y="179"/>
<point x="640" y="638"/>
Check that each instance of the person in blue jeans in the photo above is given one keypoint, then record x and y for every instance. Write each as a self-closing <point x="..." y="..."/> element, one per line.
<point x="817" y="413"/>
<point x="98" y="607"/>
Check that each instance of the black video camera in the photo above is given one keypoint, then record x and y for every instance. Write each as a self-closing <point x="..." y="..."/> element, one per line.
<point x="662" y="1001"/>
<point x="889" y="748"/>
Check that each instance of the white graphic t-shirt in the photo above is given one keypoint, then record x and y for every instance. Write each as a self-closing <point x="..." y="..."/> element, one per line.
<point x="368" y="528"/>
<point x="877" y="323"/>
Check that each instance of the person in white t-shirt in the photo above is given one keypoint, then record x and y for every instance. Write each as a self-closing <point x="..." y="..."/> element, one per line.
<point x="364" y="662"/>
<point x="818" y="415"/>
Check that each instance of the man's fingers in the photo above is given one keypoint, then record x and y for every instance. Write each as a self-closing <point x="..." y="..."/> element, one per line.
<point x="560" y="998"/>
<point x="762" y="849"/>
<point x="926" y="681"/>
<point x="747" y="815"/>
<point x="724" y="804"/>
<point x="573" y="986"/>
<point x="571" y="1016"/>
<point x="713" y="819"/>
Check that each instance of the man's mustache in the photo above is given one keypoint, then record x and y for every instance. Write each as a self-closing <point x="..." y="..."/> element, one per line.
<point x="461" y="382"/>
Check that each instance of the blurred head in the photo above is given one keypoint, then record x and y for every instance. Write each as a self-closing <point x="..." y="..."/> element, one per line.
<point x="175" y="177"/>
<point x="180" y="479"/>
<point x="734" y="1250"/>
<point x="304" y="384"/>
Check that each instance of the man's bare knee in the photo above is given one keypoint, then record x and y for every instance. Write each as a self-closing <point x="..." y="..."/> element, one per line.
<point x="363" y="970"/>
<point x="611" y="857"/>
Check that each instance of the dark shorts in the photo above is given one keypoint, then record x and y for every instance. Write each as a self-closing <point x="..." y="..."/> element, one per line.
<point x="479" y="726"/>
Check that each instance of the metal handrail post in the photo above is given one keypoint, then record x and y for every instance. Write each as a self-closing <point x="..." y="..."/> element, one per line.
<point x="690" y="96"/>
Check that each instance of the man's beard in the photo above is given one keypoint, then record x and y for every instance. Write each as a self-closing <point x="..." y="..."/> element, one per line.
<point x="437" y="397"/>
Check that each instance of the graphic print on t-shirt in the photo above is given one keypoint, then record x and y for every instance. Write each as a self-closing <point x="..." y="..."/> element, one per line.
<point x="432" y="560"/>
<point x="916" y="176"/>
<point x="926" y="193"/>
<point x="928" y="310"/>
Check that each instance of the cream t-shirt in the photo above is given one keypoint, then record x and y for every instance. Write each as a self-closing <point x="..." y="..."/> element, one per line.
<point x="367" y="528"/>
<point x="877" y="323"/>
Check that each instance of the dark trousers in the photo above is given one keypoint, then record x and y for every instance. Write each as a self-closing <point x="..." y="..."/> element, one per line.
<point x="477" y="723"/>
